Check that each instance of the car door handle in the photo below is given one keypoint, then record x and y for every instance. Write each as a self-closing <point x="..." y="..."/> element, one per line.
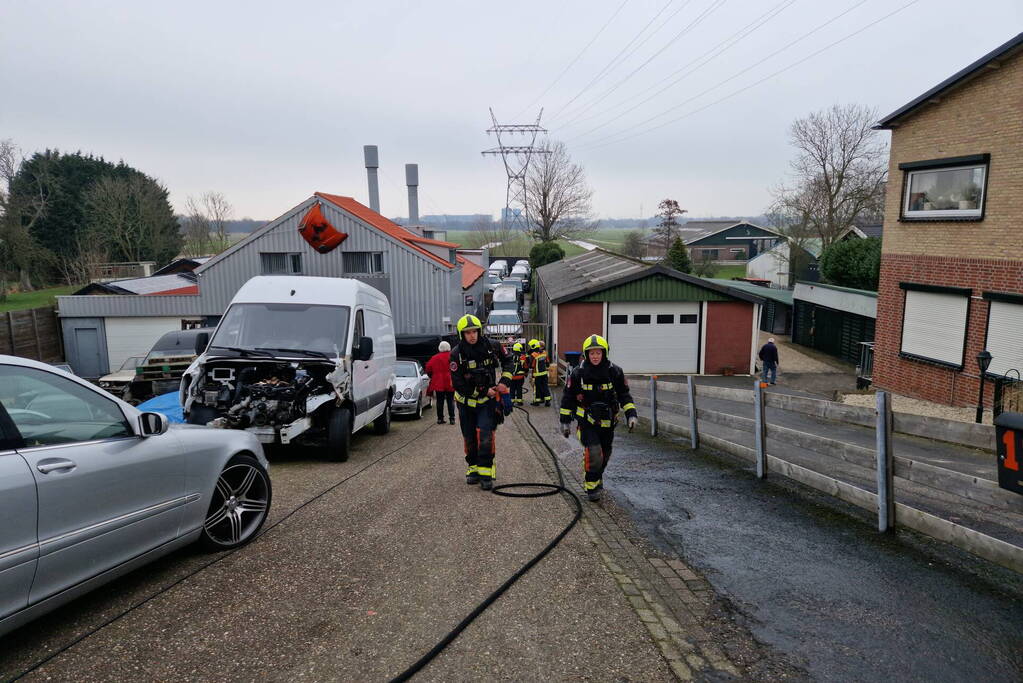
<point x="55" y="465"/>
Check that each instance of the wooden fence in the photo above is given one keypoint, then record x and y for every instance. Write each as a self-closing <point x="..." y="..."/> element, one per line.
<point x="951" y="488"/>
<point x="33" y="333"/>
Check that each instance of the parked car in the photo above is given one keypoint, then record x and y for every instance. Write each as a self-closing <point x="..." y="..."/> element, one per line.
<point x="504" y="324"/>
<point x="93" y="488"/>
<point x="160" y="372"/>
<point x="513" y="281"/>
<point x="306" y="359"/>
<point x="522" y="262"/>
<point x="500" y="267"/>
<point x="117" y="382"/>
<point x="493" y="281"/>
<point x="506" y="298"/>
<point x="410" y="386"/>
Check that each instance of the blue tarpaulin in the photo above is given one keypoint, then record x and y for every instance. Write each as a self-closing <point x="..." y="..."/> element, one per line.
<point x="167" y="404"/>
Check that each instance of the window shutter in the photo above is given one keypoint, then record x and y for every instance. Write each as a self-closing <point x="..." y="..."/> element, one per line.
<point x="1005" y="337"/>
<point x="934" y="326"/>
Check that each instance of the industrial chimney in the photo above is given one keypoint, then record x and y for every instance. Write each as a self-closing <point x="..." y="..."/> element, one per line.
<point x="372" y="163"/>
<point x="412" y="180"/>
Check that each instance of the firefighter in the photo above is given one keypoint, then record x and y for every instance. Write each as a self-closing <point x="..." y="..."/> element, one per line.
<point x="482" y="401"/>
<point x="540" y="363"/>
<point x="521" y="362"/>
<point x="595" y="394"/>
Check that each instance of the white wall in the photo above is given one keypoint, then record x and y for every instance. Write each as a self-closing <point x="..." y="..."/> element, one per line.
<point x="128" y="337"/>
<point x="850" y="302"/>
<point x="772" y="265"/>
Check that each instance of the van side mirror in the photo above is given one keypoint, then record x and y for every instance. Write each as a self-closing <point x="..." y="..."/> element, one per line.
<point x="365" y="348"/>
<point x="153" y="424"/>
<point x="202" y="340"/>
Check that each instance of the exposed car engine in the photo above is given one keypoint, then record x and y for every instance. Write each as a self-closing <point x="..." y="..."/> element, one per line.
<point x="236" y="395"/>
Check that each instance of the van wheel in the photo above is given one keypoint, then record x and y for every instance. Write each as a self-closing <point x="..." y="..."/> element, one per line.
<point x="339" y="434"/>
<point x="382" y="424"/>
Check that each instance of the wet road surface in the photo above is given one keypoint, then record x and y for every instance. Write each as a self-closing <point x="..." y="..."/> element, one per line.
<point x="813" y="578"/>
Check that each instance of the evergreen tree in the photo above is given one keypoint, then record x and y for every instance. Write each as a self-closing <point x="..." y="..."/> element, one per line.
<point x="543" y="253"/>
<point x="678" y="257"/>
<point x="853" y="263"/>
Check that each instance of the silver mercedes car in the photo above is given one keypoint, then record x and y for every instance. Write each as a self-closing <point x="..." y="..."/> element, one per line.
<point x="91" y="488"/>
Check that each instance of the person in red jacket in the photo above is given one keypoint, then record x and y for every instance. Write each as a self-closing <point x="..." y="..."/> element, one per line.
<point x="439" y="370"/>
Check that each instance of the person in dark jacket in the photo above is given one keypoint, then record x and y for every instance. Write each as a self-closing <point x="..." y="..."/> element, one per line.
<point x="540" y="365"/>
<point x="595" y="393"/>
<point x="521" y="364"/>
<point x="482" y="399"/>
<point x="769" y="357"/>
<point x="439" y="370"/>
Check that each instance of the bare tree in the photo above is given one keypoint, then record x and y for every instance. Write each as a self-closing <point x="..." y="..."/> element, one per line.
<point x="131" y="217"/>
<point x="666" y="231"/>
<point x="206" y="223"/>
<point x="18" y="251"/>
<point x="557" y="196"/>
<point x="839" y="172"/>
<point x="632" y="245"/>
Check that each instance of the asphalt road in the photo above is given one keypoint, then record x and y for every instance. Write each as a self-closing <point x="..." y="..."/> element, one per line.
<point x="811" y="578"/>
<point x="360" y="583"/>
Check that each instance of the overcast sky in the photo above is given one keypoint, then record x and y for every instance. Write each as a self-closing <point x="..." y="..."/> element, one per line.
<point x="269" y="102"/>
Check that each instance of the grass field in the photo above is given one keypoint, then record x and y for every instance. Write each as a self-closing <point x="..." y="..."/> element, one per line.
<point x="37" y="299"/>
<point x="728" y="272"/>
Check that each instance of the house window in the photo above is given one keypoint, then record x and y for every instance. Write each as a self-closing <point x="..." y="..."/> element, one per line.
<point x="641" y="320"/>
<point x="280" y="263"/>
<point x="945" y="188"/>
<point x="711" y="254"/>
<point x="619" y="320"/>
<point x="365" y="262"/>
<point x="737" y="250"/>
<point x="1004" y="331"/>
<point x="934" y="323"/>
<point x="688" y="319"/>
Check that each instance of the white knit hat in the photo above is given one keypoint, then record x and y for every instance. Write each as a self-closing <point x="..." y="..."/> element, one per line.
<point x="444" y="346"/>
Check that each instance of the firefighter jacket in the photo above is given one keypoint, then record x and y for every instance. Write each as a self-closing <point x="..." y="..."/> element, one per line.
<point x="595" y="394"/>
<point x="521" y="363"/>
<point x="474" y="368"/>
<point x="539" y="362"/>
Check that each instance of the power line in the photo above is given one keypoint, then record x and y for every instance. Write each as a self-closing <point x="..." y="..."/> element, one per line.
<point x="715" y="5"/>
<point x="576" y="59"/>
<point x="610" y="141"/>
<point x="610" y="64"/>
<point x="516" y="160"/>
<point x="724" y="46"/>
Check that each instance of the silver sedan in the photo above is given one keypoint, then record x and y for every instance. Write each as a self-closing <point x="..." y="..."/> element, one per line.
<point x="91" y="488"/>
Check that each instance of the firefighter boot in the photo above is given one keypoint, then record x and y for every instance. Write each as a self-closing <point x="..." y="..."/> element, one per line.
<point x="472" y="476"/>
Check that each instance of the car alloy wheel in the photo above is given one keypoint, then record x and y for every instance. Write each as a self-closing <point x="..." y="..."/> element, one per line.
<point x="239" y="506"/>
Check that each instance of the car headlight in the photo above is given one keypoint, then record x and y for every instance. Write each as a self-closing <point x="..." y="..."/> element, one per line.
<point x="407" y="393"/>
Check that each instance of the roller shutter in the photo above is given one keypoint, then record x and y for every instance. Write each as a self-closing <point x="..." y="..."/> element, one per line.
<point x="655" y="337"/>
<point x="1005" y="337"/>
<point x="934" y="326"/>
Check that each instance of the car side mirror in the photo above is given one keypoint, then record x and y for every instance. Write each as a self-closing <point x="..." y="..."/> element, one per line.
<point x="202" y="340"/>
<point x="365" y="348"/>
<point x="153" y="424"/>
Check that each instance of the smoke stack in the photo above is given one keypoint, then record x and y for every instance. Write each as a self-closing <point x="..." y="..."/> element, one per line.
<point x="372" y="163"/>
<point x="412" y="180"/>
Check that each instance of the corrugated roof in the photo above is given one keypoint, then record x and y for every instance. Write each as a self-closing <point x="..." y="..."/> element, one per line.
<point x="781" y="295"/>
<point x="958" y="78"/>
<point x="154" y="284"/>
<point x="850" y="290"/>
<point x="697" y="230"/>
<point x="470" y="271"/>
<point x="385" y="225"/>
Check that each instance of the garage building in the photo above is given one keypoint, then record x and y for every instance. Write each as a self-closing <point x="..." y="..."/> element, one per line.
<point x="657" y="320"/>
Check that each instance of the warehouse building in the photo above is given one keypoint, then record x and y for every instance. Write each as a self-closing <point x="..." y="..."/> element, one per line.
<point x="657" y="320"/>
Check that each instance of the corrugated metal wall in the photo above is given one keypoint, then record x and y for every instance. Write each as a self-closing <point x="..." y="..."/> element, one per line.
<point x="422" y="292"/>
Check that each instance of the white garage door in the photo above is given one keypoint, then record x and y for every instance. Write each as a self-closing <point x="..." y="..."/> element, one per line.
<point x="135" y="336"/>
<point x="655" y="337"/>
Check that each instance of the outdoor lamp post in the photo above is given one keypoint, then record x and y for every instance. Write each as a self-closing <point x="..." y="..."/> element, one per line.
<point x="984" y="362"/>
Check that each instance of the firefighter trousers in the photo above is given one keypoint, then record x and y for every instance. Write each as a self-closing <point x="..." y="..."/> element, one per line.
<point x="477" y="425"/>
<point x="542" y="392"/>
<point x="597" y="442"/>
<point x="516" y="391"/>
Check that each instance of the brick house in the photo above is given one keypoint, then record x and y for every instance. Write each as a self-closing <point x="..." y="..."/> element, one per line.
<point x="951" y="280"/>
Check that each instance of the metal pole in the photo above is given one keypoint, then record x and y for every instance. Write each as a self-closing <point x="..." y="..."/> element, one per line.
<point x="760" y="433"/>
<point x="694" y="435"/>
<point x="885" y="469"/>
<point x="980" y="401"/>
<point x="653" y="405"/>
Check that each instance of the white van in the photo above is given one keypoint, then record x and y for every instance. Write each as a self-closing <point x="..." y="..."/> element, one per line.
<point x="296" y="359"/>
<point x="506" y="298"/>
<point x="499" y="267"/>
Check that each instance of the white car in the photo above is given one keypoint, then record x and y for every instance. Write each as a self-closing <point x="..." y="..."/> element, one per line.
<point x="504" y="324"/>
<point x="411" y="383"/>
<point x="117" y="382"/>
<point x="297" y="359"/>
<point x="91" y="488"/>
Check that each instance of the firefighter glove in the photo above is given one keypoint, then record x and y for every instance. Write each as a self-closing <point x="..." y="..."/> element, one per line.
<point x="566" y="429"/>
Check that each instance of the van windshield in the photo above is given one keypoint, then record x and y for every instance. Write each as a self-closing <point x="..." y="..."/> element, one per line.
<point x="282" y="327"/>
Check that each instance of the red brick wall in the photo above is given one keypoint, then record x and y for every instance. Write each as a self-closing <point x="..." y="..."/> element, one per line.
<point x="729" y="336"/>
<point x="575" y="322"/>
<point x="920" y="379"/>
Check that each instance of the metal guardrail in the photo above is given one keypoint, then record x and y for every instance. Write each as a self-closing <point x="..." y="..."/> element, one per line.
<point x="865" y="367"/>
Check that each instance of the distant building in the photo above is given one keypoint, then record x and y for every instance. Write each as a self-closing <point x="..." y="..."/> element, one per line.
<point x="721" y="241"/>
